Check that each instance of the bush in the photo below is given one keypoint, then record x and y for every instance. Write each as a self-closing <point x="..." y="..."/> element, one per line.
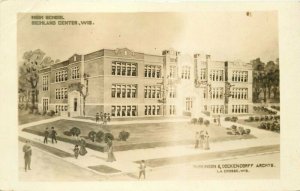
<point x="271" y="117"/>
<point x="266" y="118"/>
<point x="256" y="118"/>
<point x="108" y="136"/>
<point x="251" y="118"/>
<point x="68" y="133"/>
<point x="241" y="130"/>
<point x="44" y="113"/>
<point x="234" y="119"/>
<point x="262" y="118"/>
<point x="51" y="113"/>
<point x="75" y="131"/>
<point x="227" y="118"/>
<point x="200" y="120"/>
<point x="194" y="121"/>
<point x="206" y="123"/>
<point x="247" y="131"/>
<point x="99" y="136"/>
<point x="234" y="127"/>
<point x="92" y="135"/>
<point x="124" y="135"/>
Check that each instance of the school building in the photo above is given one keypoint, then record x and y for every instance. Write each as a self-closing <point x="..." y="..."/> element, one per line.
<point x="125" y="83"/>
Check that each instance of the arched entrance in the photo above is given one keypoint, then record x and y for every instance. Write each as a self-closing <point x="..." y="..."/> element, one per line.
<point x="74" y="103"/>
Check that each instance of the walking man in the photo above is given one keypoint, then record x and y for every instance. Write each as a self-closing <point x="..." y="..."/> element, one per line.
<point x="46" y="134"/>
<point x="53" y="135"/>
<point x="27" y="155"/>
<point x="142" y="170"/>
<point x="97" y="117"/>
<point x="101" y="116"/>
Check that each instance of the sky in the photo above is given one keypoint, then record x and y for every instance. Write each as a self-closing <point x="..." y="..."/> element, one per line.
<point x="224" y="35"/>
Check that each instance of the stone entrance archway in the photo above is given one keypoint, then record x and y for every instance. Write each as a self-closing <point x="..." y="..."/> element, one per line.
<point x="74" y="103"/>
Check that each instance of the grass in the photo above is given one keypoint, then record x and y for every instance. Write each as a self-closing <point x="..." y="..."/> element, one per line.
<point x="104" y="169"/>
<point x="26" y="117"/>
<point x="141" y="135"/>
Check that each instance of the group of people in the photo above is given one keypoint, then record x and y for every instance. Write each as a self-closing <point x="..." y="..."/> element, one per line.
<point x="52" y="134"/>
<point x="80" y="149"/>
<point x="104" y="118"/>
<point x="202" y="140"/>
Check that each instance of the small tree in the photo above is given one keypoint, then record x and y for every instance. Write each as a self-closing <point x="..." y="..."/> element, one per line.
<point x="99" y="136"/>
<point x="92" y="135"/>
<point x="194" y="121"/>
<point x="200" y="120"/>
<point x="108" y="136"/>
<point x="206" y="123"/>
<point x="75" y="131"/>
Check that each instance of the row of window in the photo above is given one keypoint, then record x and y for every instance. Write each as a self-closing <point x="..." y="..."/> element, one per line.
<point x="123" y="111"/>
<point x="59" y="108"/>
<point x="216" y="75"/>
<point x="61" y="76"/>
<point x="186" y="72"/>
<point x="124" y="90"/>
<point x="45" y="83"/>
<point x="152" y="71"/>
<point x="240" y="93"/>
<point x="188" y="104"/>
<point x="202" y="74"/>
<point x="216" y="93"/>
<point x="152" y="92"/>
<point x="239" y="76"/>
<point x="152" y="110"/>
<point x="61" y="93"/>
<point x="124" y="69"/>
<point x="172" y="73"/>
<point x="239" y="108"/>
<point x="217" y="109"/>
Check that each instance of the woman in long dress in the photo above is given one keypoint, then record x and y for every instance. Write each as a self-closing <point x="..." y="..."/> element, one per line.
<point x="110" y="152"/>
<point x="82" y="150"/>
<point x="206" y="141"/>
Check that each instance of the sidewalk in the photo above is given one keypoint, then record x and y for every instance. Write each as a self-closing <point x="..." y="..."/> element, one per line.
<point x="126" y="159"/>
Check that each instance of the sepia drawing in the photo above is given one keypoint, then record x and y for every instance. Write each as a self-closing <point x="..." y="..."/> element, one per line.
<point x="148" y="96"/>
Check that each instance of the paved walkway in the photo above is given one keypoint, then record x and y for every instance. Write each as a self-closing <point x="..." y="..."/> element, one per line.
<point x="125" y="159"/>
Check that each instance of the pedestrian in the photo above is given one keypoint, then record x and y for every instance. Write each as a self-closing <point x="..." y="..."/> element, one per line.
<point x="101" y="116"/>
<point x="197" y="138"/>
<point x="110" y="152"/>
<point x="46" y="135"/>
<point x="76" y="151"/>
<point x="201" y="141"/>
<point x="142" y="169"/>
<point x="206" y="141"/>
<point x="97" y="117"/>
<point x="104" y="120"/>
<point x="82" y="150"/>
<point x="108" y="117"/>
<point x="27" y="155"/>
<point x="53" y="135"/>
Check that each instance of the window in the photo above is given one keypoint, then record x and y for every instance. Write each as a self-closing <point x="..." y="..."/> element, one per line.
<point x="45" y="104"/>
<point x="172" y="92"/>
<point x="75" y="72"/>
<point x="188" y="104"/>
<point x="172" y="73"/>
<point x="216" y="93"/>
<point x="61" y="93"/>
<point x="186" y="72"/>
<point x="123" y="111"/>
<point x="152" y="71"/>
<point x="239" y="76"/>
<point x="152" y="110"/>
<point x="240" y="109"/>
<point x="239" y="93"/>
<point x="59" y="108"/>
<point x="152" y="92"/>
<point x="217" y="109"/>
<point x="45" y="83"/>
<point x="123" y="90"/>
<point x="202" y="74"/>
<point x="61" y="76"/>
<point x="216" y="75"/>
<point x="123" y="69"/>
<point x="172" y="110"/>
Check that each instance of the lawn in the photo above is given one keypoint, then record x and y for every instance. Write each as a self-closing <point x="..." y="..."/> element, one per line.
<point x="141" y="135"/>
<point x="26" y="117"/>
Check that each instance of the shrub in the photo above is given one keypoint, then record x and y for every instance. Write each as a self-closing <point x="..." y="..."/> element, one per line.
<point x="234" y="119"/>
<point x="227" y="118"/>
<point x="233" y="127"/>
<point x="51" y="113"/>
<point x="44" y="112"/>
<point x="241" y="130"/>
<point x="206" y="123"/>
<point x="124" y="135"/>
<point x="247" y="131"/>
<point x="194" y="121"/>
<point x="92" y="135"/>
<point x="108" y="136"/>
<point x="68" y="133"/>
<point x="200" y="120"/>
<point x="256" y="118"/>
<point x="251" y="118"/>
<point x="99" y="136"/>
<point x="266" y="118"/>
<point x="75" y="131"/>
<point x="262" y="118"/>
<point x="271" y="117"/>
